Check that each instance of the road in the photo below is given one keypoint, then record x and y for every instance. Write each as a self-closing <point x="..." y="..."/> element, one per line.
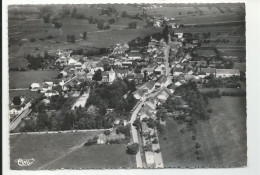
<point x="166" y="53"/>
<point x="19" y="117"/>
<point x="81" y="101"/>
<point x="139" y="163"/>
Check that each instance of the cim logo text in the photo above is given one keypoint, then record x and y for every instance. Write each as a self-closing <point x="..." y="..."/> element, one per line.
<point x="25" y="162"/>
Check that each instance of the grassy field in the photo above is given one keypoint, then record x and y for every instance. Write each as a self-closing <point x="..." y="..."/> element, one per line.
<point x="223" y="138"/>
<point x="25" y="79"/>
<point x="27" y="93"/>
<point x="44" y="148"/>
<point x="96" y="156"/>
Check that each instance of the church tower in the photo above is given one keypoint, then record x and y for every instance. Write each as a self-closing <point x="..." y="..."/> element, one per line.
<point x="112" y="75"/>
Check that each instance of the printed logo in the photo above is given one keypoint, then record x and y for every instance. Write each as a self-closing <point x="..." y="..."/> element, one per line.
<point x="24" y="162"/>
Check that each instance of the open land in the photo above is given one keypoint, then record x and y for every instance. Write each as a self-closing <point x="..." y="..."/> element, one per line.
<point x="222" y="138"/>
<point x="45" y="148"/>
<point x="26" y="78"/>
<point x="96" y="156"/>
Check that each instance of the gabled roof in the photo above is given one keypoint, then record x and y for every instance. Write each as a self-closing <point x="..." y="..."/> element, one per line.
<point x="150" y="84"/>
<point x="227" y="71"/>
<point x="122" y="71"/>
<point x="162" y="79"/>
<point x="208" y="70"/>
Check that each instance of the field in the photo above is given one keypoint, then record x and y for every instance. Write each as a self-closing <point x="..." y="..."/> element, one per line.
<point x="200" y="13"/>
<point x="45" y="147"/>
<point x="223" y="138"/>
<point x="25" y="79"/>
<point x="65" y="150"/>
<point x="96" y="156"/>
<point x="27" y="93"/>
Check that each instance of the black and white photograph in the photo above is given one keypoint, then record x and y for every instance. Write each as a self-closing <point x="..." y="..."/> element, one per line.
<point x="127" y="86"/>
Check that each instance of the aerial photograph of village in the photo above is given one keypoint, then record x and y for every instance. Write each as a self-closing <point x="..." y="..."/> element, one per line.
<point x="115" y="86"/>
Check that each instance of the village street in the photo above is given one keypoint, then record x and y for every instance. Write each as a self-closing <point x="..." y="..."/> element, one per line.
<point x="139" y="162"/>
<point x="19" y="117"/>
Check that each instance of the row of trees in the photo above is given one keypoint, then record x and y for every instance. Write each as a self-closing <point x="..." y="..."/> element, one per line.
<point x="37" y="62"/>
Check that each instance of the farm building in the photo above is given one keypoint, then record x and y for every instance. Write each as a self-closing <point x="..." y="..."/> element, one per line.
<point x="227" y="72"/>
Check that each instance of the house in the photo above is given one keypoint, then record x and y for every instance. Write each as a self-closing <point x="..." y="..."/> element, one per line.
<point x="35" y="86"/>
<point x="105" y="77"/>
<point x="102" y="139"/>
<point x="148" y="70"/>
<point x="138" y="77"/>
<point x="120" y="48"/>
<point x="127" y="64"/>
<point x="149" y="86"/>
<point x="99" y="66"/>
<point x="179" y="35"/>
<point x="50" y="93"/>
<point x="45" y="87"/>
<point x="15" y="109"/>
<point x="161" y="81"/>
<point x="164" y="94"/>
<point x="138" y="94"/>
<point x="209" y="71"/>
<point x="134" y="56"/>
<point x="119" y="63"/>
<point x="227" y="72"/>
<point x="90" y="76"/>
<point x="121" y="73"/>
<point x="152" y="102"/>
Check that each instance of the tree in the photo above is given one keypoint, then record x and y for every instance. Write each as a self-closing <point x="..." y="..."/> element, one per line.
<point x="97" y="76"/>
<point x="107" y="132"/>
<point x="111" y="21"/>
<point x="124" y="14"/>
<point x="132" y="24"/>
<point x="151" y="123"/>
<point x="46" y="18"/>
<point x="137" y="123"/>
<point x="84" y="35"/>
<point x="17" y="100"/>
<point x="57" y="25"/>
<point x="42" y="121"/>
<point x="166" y="32"/>
<point x="133" y="148"/>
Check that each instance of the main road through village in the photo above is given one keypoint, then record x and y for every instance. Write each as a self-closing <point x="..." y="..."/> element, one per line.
<point x="137" y="108"/>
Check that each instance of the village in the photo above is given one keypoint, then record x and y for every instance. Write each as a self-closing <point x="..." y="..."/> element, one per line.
<point x="156" y="69"/>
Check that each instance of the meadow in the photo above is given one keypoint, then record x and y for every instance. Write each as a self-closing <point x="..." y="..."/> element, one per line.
<point x="44" y="148"/>
<point x="111" y="156"/>
<point x="26" y="78"/>
<point x="222" y="138"/>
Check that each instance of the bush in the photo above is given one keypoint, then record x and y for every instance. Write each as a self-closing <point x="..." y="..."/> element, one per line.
<point x="155" y="141"/>
<point x="157" y="151"/>
<point x="32" y="40"/>
<point x="210" y="110"/>
<point x="91" y="142"/>
<point x="133" y="149"/>
<point x="106" y="132"/>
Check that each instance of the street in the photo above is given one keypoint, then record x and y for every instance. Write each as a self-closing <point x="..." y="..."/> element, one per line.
<point x="139" y="163"/>
<point x="19" y="117"/>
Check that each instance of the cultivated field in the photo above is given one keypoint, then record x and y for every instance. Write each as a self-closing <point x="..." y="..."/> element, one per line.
<point x="223" y="138"/>
<point x="96" y="156"/>
<point x="45" y="148"/>
<point x="26" y="78"/>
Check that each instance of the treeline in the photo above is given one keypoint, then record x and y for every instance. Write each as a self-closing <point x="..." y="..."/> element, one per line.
<point x="38" y="61"/>
<point x="91" y="51"/>
<point x="196" y="101"/>
<point x="111" y="96"/>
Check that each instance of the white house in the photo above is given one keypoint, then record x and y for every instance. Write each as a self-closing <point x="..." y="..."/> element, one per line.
<point x="35" y="86"/>
<point x="51" y="93"/>
<point x="227" y="72"/>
